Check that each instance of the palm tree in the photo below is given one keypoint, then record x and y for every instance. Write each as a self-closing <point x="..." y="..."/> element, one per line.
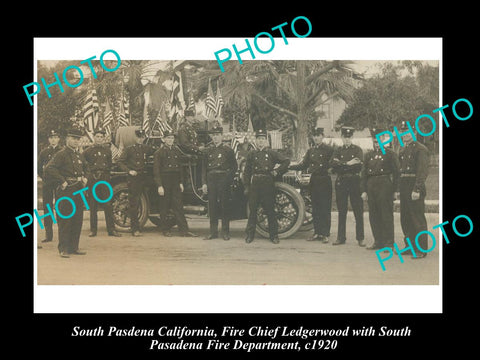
<point x="292" y="88"/>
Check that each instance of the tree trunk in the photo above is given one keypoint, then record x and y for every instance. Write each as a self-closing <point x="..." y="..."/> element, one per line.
<point x="301" y="133"/>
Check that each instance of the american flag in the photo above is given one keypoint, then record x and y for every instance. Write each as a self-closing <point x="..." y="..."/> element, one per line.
<point x="234" y="146"/>
<point x="218" y="102"/>
<point x="90" y="112"/>
<point x="107" y="119"/>
<point x="160" y="122"/>
<point x="116" y="152"/>
<point x="210" y="102"/>
<point x="175" y="103"/>
<point x="146" y="122"/>
<point x="126" y="104"/>
<point x="122" y="119"/>
<point x="275" y="139"/>
<point x="191" y="103"/>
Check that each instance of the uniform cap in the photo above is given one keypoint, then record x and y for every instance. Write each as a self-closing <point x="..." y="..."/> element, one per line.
<point x="376" y="130"/>
<point x="216" y="130"/>
<point x="318" y="131"/>
<point x="75" y="133"/>
<point x="260" y="132"/>
<point x="140" y="133"/>
<point x="53" y="133"/>
<point x="404" y="125"/>
<point x="168" y="133"/>
<point x="347" y="131"/>
<point x="99" y="131"/>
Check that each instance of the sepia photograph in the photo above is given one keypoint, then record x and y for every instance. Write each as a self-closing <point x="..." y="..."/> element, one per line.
<point x="302" y="170"/>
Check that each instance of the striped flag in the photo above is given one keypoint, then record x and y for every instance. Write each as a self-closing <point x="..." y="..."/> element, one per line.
<point x="218" y="102"/>
<point x="126" y="104"/>
<point x="175" y="103"/>
<point x="161" y="121"/>
<point x="146" y="122"/>
<point x="210" y="103"/>
<point x="116" y="152"/>
<point x="108" y="119"/>
<point x="234" y="146"/>
<point x="191" y="103"/>
<point x="122" y="119"/>
<point x="90" y="110"/>
<point x="276" y="139"/>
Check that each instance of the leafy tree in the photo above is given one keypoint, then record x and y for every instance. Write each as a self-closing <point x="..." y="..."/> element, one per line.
<point x="398" y="93"/>
<point x="293" y="89"/>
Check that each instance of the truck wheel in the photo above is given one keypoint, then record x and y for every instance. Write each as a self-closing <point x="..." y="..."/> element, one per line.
<point x="121" y="205"/>
<point x="290" y="210"/>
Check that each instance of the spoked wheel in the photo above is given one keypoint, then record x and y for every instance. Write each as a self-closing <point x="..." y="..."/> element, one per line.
<point x="121" y="206"/>
<point x="290" y="211"/>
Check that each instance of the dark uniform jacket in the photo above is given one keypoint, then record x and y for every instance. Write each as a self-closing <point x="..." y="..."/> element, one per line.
<point x="344" y="154"/>
<point x="44" y="157"/>
<point x="67" y="165"/>
<point x="263" y="162"/>
<point x="168" y="160"/>
<point x="414" y="160"/>
<point x="316" y="160"/>
<point x="219" y="158"/>
<point x="376" y="164"/>
<point x="135" y="157"/>
<point x="187" y="139"/>
<point x="99" y="158"/>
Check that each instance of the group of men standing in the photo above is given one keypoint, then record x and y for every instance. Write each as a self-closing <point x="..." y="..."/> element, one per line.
<point x="65" y="172"/>
<point x="376" y="178"/>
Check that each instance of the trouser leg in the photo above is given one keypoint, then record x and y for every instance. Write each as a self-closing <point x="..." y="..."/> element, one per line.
<point x="172" y="187"/>
<point x="134" y="192"/>
<point x="268" y="203"/>
<point x="342" y="206"/>
<point x="357" y="206"/>
<point x="213" y="208"/>
<point x="374" y="212"/>
<point x="321" y="195"/>
<point x="253" y="202"/>
<point x="385" y="205"/>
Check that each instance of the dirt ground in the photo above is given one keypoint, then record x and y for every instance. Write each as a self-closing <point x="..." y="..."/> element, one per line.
<point x="156" y="260"/>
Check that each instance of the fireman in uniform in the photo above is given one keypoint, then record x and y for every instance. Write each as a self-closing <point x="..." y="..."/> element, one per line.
<point x="68" y="170"/>
<point x="317" y="161"/>
<point x="260" y="174"/>
<point x="168" y="175"/>
<point x="133" y="160"/>
<point x="347" y="163"/>
<point x="413" y="159"/>
<point x="380" y="176"/>
<point x="218" y="172"/>
<point x="187" y="136"/>
<point x="48" y="189"/>
<point x="99" y="161"/>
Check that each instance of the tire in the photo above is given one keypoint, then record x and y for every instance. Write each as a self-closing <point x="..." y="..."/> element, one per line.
<point x="120" y="206"/>
<point x="290" y="209"/>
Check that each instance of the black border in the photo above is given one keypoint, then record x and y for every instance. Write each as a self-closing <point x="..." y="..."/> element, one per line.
<point x="49" y="334"/>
